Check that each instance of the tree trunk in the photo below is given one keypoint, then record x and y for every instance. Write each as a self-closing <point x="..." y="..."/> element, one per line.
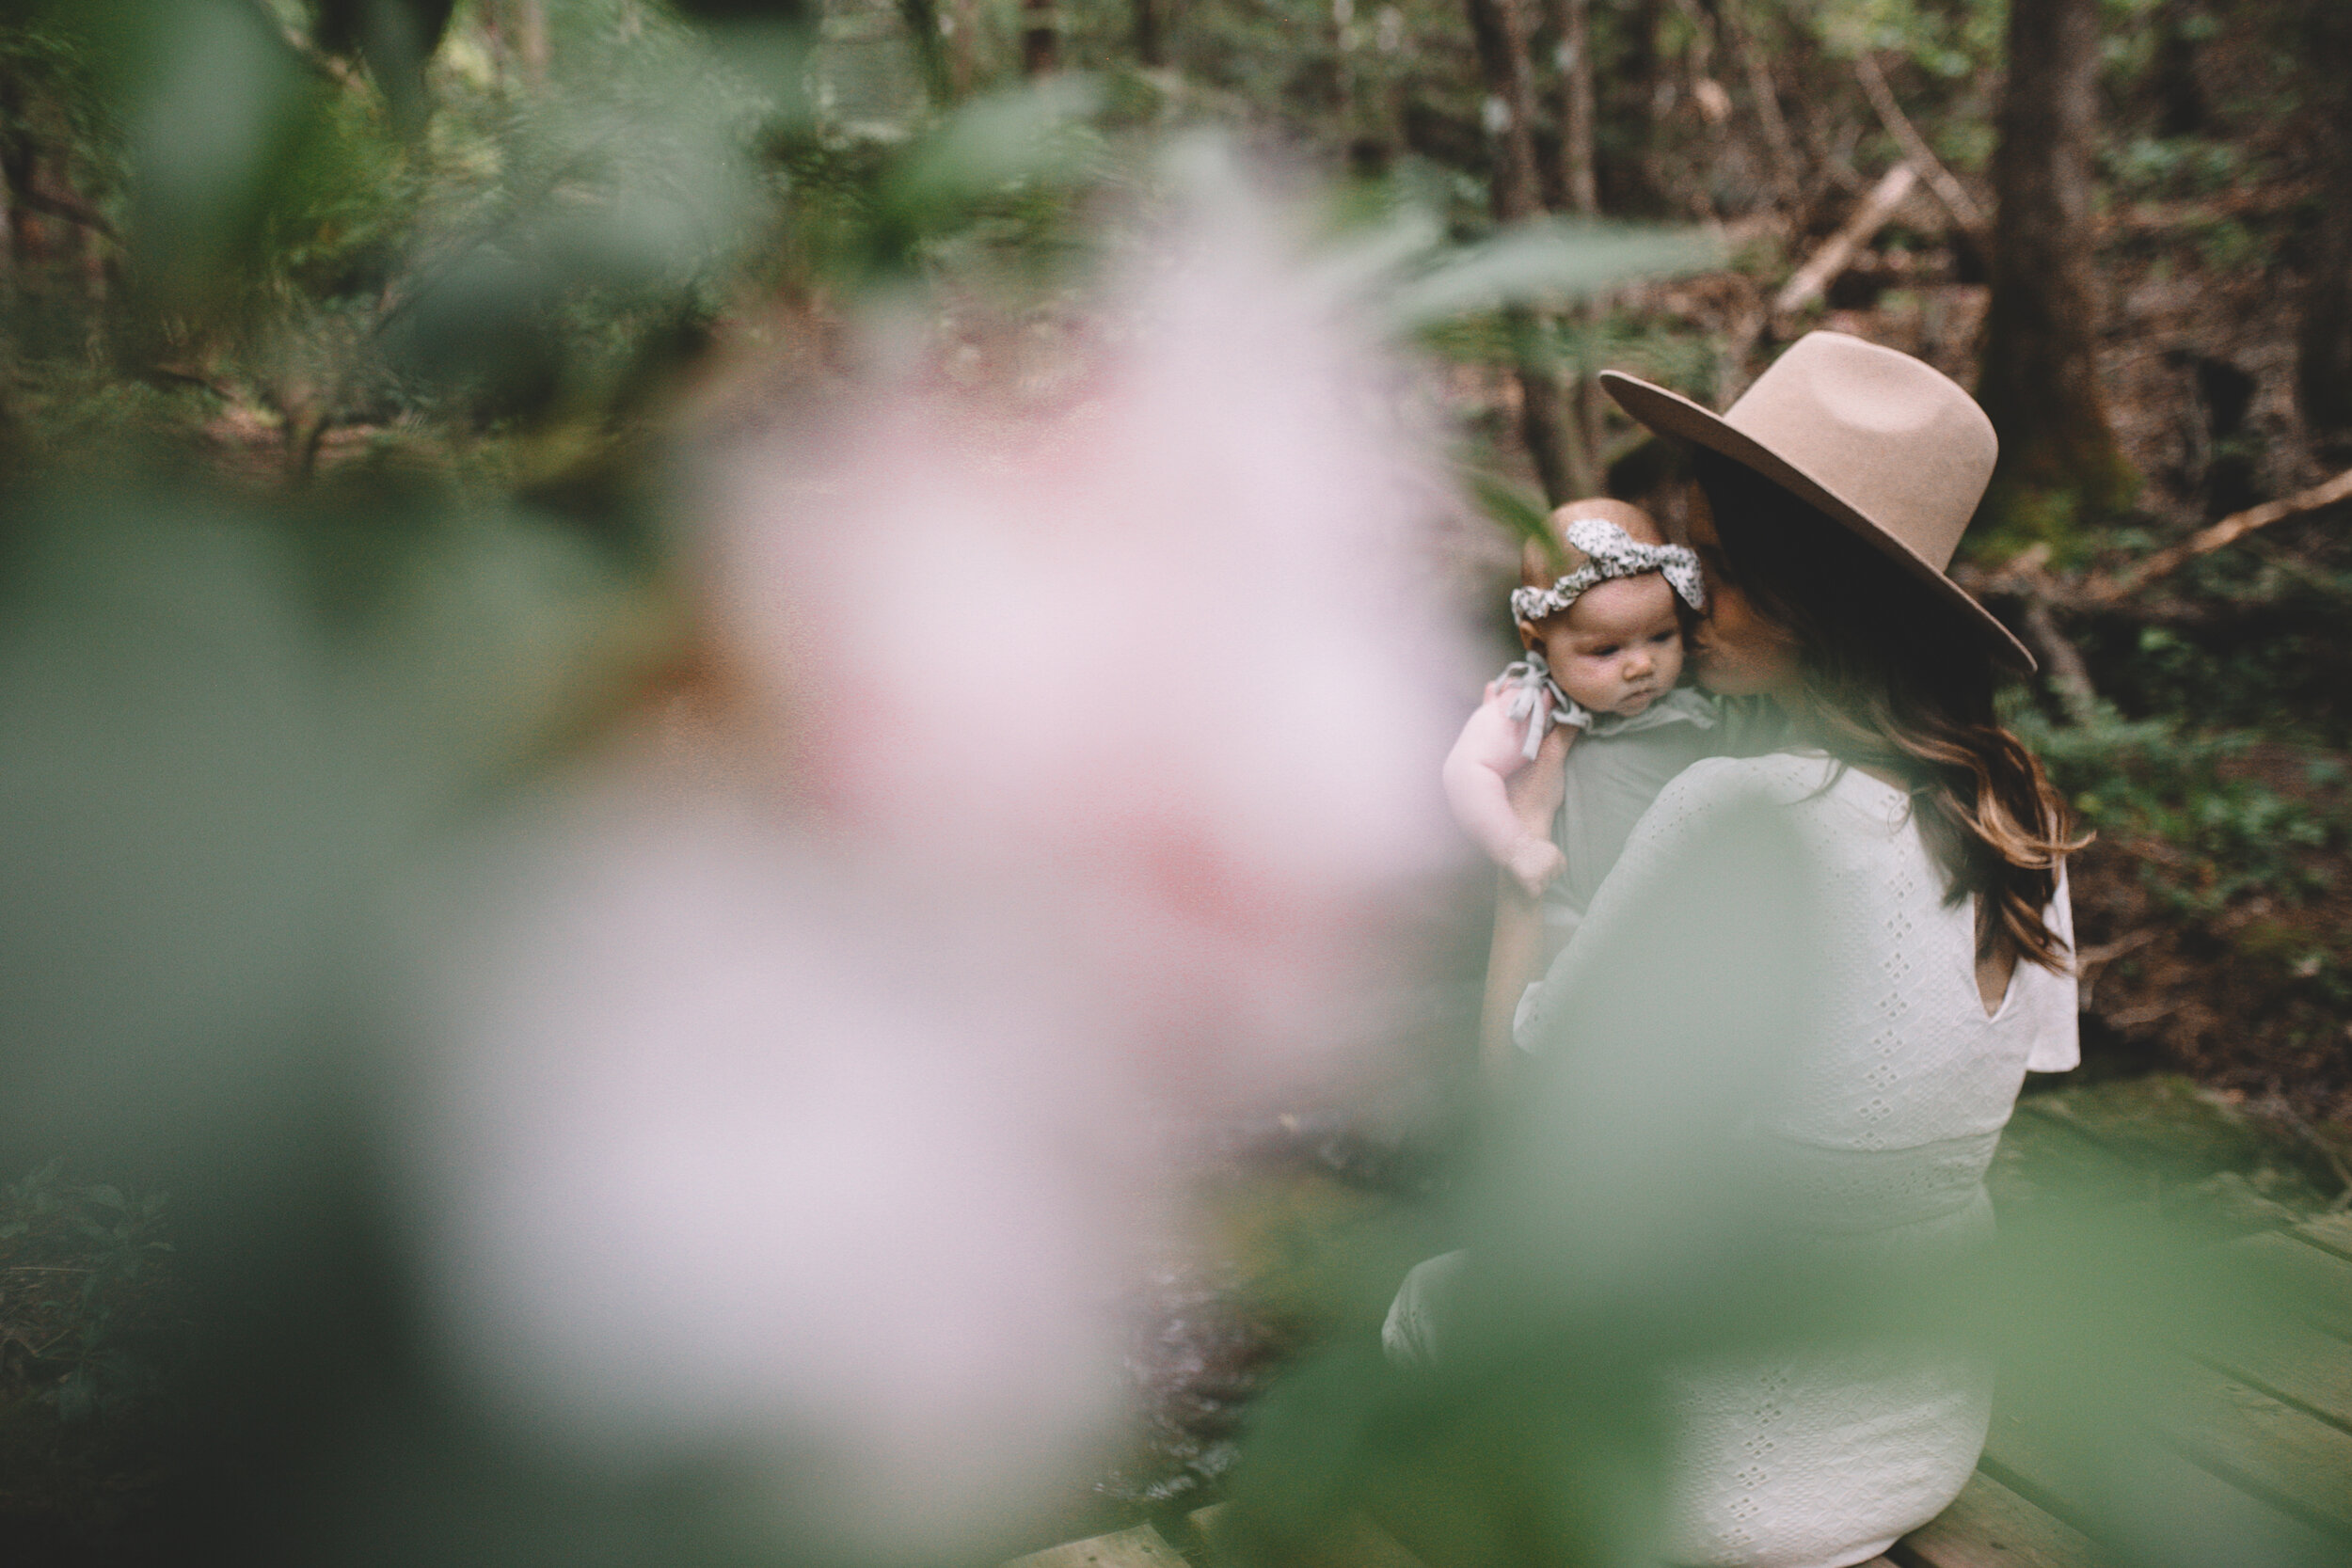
<point x="1041" y="38"/>
<point x="531" y="38"/>
<point x="2323" y="367"/>
<point x="1499" y="29"/>
<point x="1151" y="34"/>
<point x="1514" y="195"/>
<point x="1711" y="101"/>
<point x="1573" y="18"/>
<point x="1759" y="69"/>
<point x="963" y="62"/>
<point x="2058" y="461"/>
<point x="1582" y="186"/>
<point x="929" y="45"/>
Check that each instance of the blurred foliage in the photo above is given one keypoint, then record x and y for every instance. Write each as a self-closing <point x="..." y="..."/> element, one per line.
<point x="342" y="348"/>
<point x="84" y="1331"/>
<point x="2152" y="779"/>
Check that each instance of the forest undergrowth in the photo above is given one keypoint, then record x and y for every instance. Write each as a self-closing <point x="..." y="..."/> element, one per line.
<point x="473" y="296"/>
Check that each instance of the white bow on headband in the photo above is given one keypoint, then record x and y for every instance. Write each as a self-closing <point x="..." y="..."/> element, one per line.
<point x="1531" y="683"/>
<point x="1611" y="552"/>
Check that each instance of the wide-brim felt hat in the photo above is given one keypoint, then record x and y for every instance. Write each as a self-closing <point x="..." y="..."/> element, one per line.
<point x="1888" y="446"/>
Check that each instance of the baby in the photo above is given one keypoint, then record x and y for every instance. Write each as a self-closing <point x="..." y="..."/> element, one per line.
<point x="1604" y="652"/>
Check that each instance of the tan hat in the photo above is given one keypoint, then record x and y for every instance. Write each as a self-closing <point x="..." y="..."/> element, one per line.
<point x="1887" y="444"/>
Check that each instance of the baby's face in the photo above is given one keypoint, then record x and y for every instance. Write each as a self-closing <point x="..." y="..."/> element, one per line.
<point x="1619" y="648"/>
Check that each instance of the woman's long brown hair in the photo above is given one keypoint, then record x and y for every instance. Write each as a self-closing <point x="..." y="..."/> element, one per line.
<point x="1900" y="683"/>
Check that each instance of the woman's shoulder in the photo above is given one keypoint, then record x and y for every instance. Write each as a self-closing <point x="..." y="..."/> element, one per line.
<point x="1778" y="777"/>
<point x="1712" y="793"/>
<point x="1808" y="792"/>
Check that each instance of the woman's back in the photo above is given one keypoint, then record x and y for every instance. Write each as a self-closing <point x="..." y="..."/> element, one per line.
<point x="1879" y="1136"/>
<point x="1904" y="1052"/>
<point x="1875" y="1138"/>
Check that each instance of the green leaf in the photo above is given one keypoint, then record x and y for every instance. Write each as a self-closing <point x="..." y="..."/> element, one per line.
<point x="1554" y="258"/>
<point x="1509" y="505"/>
<point x="1003" y="139"/>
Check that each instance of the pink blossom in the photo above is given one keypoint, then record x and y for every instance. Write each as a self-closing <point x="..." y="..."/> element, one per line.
<point x="804" y="1073"/>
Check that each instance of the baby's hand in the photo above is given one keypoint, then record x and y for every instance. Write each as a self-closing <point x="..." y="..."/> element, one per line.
<point x="1533" y="863"/>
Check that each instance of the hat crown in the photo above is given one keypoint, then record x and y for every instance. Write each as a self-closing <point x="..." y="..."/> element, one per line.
<point x="1896" y="439"/>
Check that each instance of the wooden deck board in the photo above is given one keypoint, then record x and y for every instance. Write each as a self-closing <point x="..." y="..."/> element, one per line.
<point x="2129" y="1489"/>
<point x="1357" y="1542"/>
<point x="2304" y="1271"/>
<point x="1139" y="1547"/>
<point x="2245" y="1453"/>
<point x="1989" y="1526"/>
<point x="2333" y="1232"/>
<point x="2247" y="1436"/>
<point x="2290" y="1361"/>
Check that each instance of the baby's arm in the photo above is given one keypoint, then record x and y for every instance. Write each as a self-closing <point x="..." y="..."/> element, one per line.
<point x="1477" y="786"/>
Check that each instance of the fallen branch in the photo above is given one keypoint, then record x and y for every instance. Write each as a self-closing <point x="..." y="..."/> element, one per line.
<point x="2135" y="1017"/>
<point x="1813" y="279"/>
<point x="2274" y="1106"/>
<point x="2091" y="962"/>
<point x="2106" y="952"/>
<point x="2205" y="541"/>
<point x="2061" y="661"/>
<point x="66" y="207"/>
<point x="2263" y="202"/>
<point x="1766" y="100"/>
<point x="2026" y="577"/>
<point x="1940" y="180"/>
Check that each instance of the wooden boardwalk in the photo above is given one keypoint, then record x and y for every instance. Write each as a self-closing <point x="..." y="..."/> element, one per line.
<point x="2239" y="1451"/>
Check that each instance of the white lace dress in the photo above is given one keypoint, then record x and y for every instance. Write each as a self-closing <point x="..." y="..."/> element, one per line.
<point x="1900" y="1090"/>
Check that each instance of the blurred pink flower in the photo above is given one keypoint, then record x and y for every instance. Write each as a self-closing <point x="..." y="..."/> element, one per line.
<point x="711" y="1169"/>
<point x="805" y="1097"/>
<point x="1145" y="684"/>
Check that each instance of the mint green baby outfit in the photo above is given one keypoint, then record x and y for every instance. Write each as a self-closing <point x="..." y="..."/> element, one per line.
<point x="1615" y="769"/>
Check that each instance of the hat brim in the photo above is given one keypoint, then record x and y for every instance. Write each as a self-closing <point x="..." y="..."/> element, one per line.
<point x="1672" y="414"/>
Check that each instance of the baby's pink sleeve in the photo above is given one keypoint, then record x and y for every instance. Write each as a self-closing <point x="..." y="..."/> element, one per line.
<point x="1484" y="756"/>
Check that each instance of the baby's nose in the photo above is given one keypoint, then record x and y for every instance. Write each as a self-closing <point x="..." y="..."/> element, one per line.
<point x="1637" y="662"/>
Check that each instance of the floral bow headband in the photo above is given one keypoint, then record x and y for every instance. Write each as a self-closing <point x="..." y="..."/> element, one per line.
<point x="1611" y="552"/>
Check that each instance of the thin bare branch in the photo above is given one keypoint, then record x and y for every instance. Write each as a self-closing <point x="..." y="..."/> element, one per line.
<point x="1949" y="190"/>
<point x="1813" y="279"/>
<point x="66" y="207"/>
<point x="2061" y="661"/>
<point x="2226" y="531"/>
<point x="1766" y="99"/>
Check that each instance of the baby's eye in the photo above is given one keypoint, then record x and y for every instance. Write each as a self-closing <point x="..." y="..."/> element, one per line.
<point x="1604" y="652"/>
<point x="1666" y="636"/>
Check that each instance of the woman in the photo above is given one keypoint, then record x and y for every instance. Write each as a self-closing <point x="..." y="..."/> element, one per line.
<point x="1867" y="929"/>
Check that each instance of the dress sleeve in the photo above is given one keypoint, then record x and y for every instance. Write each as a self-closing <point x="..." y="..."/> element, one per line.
<point x="2055" y="1000"/>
